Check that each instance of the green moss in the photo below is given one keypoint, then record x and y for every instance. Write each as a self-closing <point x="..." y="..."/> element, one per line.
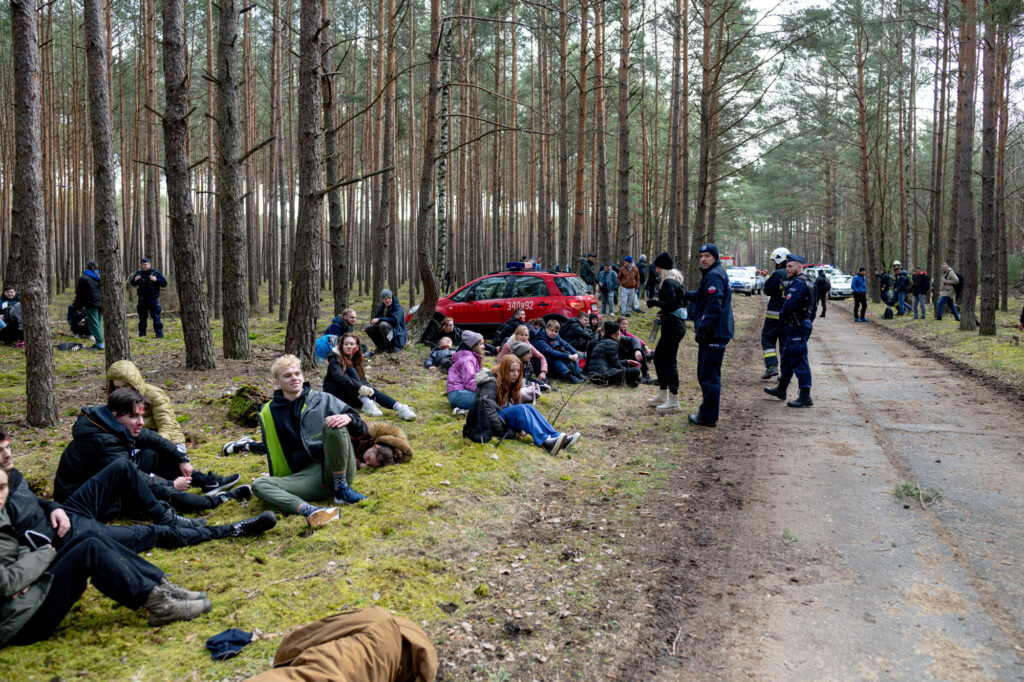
<point x="245" y="404"/>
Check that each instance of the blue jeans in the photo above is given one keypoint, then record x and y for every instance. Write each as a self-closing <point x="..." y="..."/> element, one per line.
<point x="560" y="369"/>
<point x="607" y="306"/>
<point x="920" y="303"/>
<point x="461" y="399"/>
<point x="941" y="305"/>
<point x="528" y="418"/>
<point x="901" y="303"/>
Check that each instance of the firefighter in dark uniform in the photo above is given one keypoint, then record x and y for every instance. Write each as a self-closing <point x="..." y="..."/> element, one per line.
<point x="713" y="327"/>
<point x="149" y="283"/>
<point x="797" y="315"/>
<point x="771" y="333"/>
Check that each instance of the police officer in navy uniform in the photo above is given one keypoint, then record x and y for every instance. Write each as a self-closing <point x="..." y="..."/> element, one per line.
<point x="796" y="315"/>
<point x="149" y="283"/>
<point x="772" y="331"/>
<point x="713" y="327"/>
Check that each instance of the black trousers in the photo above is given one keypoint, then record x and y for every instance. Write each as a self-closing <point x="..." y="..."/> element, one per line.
<point x="379" y="338"/>
<point x="709" y="373"/>
<point x="823" y="301"/>
<point x="672" y="332"/>
<point x="147" y="307"/>
<point x="860" y="303"/>
<point x="771" y="334"/>
<point x="167" y="468"/>
<point x="630" y="376"/>
<point x="115" y="571"/>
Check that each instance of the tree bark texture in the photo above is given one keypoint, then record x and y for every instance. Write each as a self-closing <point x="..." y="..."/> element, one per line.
<point x="622" y="221"/>
<point x="965" y="164"/>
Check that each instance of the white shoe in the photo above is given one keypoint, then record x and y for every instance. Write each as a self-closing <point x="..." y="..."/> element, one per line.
<point x="405" y="412"/>
<point x="571" y="440"/>
<point x="459" y="412"/>
<point x="370" y="408"/>
<point x="670" y="405"/>
<point x="659" y="399"/>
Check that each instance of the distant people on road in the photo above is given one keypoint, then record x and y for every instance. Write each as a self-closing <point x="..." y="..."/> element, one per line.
<point x="149" y="282"/>
<point x="921" y="287"/>
<point x="387" y="328"/>
<point x="671" y="304"/>
<point x="629" y="282"/>
<point x="713" y="328"/>
<point x="821" y="288"/>
<point x="947" y="292"/>
<point x="885" y="286"/>
<point x="797" y="315"/>
<point x="859" y="285"/>
<point x="467" y="361"/>
<point x="89" y="299"/>
<point x="900" y="285"/>
<point x="772" y="331"/>
<point x="346" y="379"/>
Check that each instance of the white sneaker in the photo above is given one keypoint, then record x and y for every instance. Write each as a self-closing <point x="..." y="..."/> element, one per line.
<point x="571" y="440"/>
<point x="321" y="517"/>
<point x="659" y="399"/>
<point x="459" y="412"/>
<point x="405" y="412"/>
<point x="670" y="405"/>
<point x="369" y="407"/>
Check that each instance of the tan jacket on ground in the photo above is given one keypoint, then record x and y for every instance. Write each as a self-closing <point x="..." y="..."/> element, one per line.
<point x="160" y="415"/>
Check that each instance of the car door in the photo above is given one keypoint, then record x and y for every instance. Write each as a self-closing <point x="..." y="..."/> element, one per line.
<point x="530" y="293"/>
<point x="488" y="300"/>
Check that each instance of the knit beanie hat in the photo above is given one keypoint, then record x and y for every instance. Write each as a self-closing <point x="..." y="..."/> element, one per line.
<point x="386" y="294"/>
<point x="520" y="348"/>
<point x="709" y="248"/>
<point x="471" y="338"/>
<point x="610" y="328"/>
<point x="663" y="261"/>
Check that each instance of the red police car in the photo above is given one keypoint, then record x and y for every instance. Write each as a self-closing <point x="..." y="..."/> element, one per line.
<point x="489" y="301"/>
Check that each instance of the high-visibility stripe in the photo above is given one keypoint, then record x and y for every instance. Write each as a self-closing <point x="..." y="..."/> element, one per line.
<point x="770" y="354"/>
<point x="771" y="316"/>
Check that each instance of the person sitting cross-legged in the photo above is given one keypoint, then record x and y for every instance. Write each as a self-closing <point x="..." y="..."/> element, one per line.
<point x="306" y="438"/>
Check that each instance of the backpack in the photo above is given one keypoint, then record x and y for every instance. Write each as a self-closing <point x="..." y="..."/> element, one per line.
<point x="959" y="286"/>
<point x="888" y="314"/>
<point x="483" y="422"/>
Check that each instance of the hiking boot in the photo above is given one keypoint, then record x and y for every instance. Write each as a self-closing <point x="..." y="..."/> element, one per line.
<point x="253" y="526"/>
<point x="670" y="405"/>
<point x="779" y="391"/>
<point x="240" y="445"/>
<point x="659" y="399"/>
<point x="164" y="608"/>
<point x="769" y="373"/>
<point x="180" y="592"/>
<point x="321" y="516"/>
<point x="649" y="381"/>
<point x="405" y="412"/>
<point x="575" y="379"/>
<point x="369" y="407"/>
<point x="571" y="440"/>
<point x="242" y="492"/>
<point x="803" y="401"/>
<point x="555" y="444"/>
<point x="698" y="420"/>
<point x="172" y="518"/>
<point x="211" y="483"/>
<point x="343" y="494"/>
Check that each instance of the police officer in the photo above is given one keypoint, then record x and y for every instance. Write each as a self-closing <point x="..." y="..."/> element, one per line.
<point x="771" y="333"/>
<point x="149" y="283"/>
<point x="713" y="327"/>
<point x="796" y="315"/>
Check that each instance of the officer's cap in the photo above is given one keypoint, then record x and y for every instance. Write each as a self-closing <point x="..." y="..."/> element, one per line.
<point x="793" y="258"/>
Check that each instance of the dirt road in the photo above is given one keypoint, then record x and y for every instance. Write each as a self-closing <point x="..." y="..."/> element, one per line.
<point x="799" y="563"/>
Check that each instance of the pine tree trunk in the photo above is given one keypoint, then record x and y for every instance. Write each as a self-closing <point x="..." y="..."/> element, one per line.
<point x="989" y="227"/>
<point x="563" y="136"/>
<point x="604" y="247"/>
<point x="581" y="141"/>
<point x="865" y="179"/>
<point x="622" y="223"/>
<point x="675" y="207"/>
<point x="965" y="163"/>
<point x="336" y="235"/>
<point x="309" y="228"/>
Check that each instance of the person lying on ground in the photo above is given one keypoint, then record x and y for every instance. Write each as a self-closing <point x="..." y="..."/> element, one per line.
<point x="382" y="445"/>
<point x="603" y="364"/>
<point x="441" y="357"/>
<point x="563" y="359"/>
<point x="115" y="431"/>
<point x="506" y="330"/>
<point x="387" y="328"/>
<point x="118" y="486"/>
<point x="538" y="362"/>
<point x="460" y="386"/>
<point x="39" y="586"/>
<point x="346" y="379"/>
<point x="306" y="438"/>
<point x="444" y="328"/>
<point x="495" y="412"/>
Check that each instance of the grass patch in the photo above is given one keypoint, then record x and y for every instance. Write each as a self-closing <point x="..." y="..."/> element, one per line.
<point x="789" y="536"/>
<point x="906" y="489"/>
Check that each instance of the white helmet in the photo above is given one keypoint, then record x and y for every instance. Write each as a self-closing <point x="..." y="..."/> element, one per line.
<point x="896" y="264"/>
<point x="779" y="255"/>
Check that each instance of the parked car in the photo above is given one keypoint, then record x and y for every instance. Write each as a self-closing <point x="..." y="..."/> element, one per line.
<point x="744" y="280"/>
<point x="489" y="301"/>
<point x="841" y="282"/>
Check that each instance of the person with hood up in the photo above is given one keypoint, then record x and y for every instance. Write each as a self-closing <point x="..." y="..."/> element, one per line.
<point x="460" y="386"/>
<point x="307" y="438"/>
<point x="149" y="282"/>
<point x="346" y="379"/>
<point x="712" y="327"/>
<point x="671" y="319"/>
<point x="387" y="328"/>
<point x="89" y="299"/>
<point x="629" y="281"/>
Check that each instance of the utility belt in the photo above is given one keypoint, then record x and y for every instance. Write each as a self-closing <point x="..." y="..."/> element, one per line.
<point x="797" y="319"/>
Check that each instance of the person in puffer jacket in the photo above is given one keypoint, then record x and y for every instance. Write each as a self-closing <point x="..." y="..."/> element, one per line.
<point x="461" y="386"/>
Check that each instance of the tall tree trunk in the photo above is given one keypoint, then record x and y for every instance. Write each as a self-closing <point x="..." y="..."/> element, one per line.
<point x="383" y="239"/>
<point x="622" y="228"/>
<point x="700" y="217"/>
<point x="28" y="219"/>
<point x="601" y="127"/>
<point x="965" y="123"/>
<point x="234" y="281"/>
<point x="441" y="264"/>
<point x="309" y="229"/>
<point x="336" y="235"/>
<point x="563" y="136"/>
<point x="195" y="324"/>
<point x="108" y="236"/>
<point x="867" y="206"/>
<point x="674" y="200"/>
<point x="989" y="227"/>
<point x="581" y="141"/>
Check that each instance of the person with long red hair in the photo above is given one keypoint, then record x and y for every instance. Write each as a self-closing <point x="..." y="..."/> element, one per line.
<point x="346" y="379"/>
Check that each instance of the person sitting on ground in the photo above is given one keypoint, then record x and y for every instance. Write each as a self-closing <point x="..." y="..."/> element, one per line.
<point x="496" y="411"/>
<point x="100" y="499"/>
<point x="77" y="323"/>
<point x="575" y="333"/>
<point x="603" y="364"/>
<point x="12" y="332"/>
<point x="383" y="444"/>
<point x="538" y="362"/>
<point x="441" y="329"/>
<point x="39" y="586"/>
<point x="632" y="347"/>
<point x="562" y="357"/>
<point x="441" y="357"/>
<point x="594" y="325"/>
<point x="346" y="379"/>
<point x="344" y="323"/>
<point x="102" y="435"/>
<point x="506" y="330"/>
<point x="307" y="438"/>
<point x="387" y="328"/>
<point x="460" y="386"/>
<point x="536" y="327"/>
<point x="532" y="386"/>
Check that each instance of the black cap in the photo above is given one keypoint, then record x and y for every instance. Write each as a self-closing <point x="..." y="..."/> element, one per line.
<point x="610" y="328"/>
<point x="663" y="261"/>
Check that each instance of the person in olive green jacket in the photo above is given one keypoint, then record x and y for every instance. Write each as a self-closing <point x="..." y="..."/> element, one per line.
<point x="39" y="585"/>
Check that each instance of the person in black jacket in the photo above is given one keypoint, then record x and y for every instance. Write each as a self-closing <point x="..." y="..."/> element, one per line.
<point x="821" y="287"/>
<point x="77" y="321"/>
<point x="603" y="364"/>
<point x="346" y="379"/>
<point x="149" y="282"/>
<point x="671" y="316"/>
<point x="922" y="285"/>
<point x="89" y="299"/>
<point x="438" y="329"/>
<point x="797" y="315"/>
<point x="900" y="285"/>
<point x="10" y="314"/>
<point x="772" y="331"/>
<point x="713" y="327"/>
<point x="507" y="329"/>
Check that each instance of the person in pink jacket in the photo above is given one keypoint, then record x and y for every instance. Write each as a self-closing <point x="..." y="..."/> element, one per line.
<point x="537" y="359"/>
<point x="461" y="384"/>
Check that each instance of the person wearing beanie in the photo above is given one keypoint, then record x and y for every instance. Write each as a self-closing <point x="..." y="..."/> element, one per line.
<point x="149" y="282"/>
<point x="671" y="315"/>
<point x="629" y="281"/>
<point x="713" y="327"/>
<point x="346" y="379"/>
<point x="603" y="364"/>
<point x="387" y="328"/>
<point x="461" y="385"/>
<point x="538" y="364"/>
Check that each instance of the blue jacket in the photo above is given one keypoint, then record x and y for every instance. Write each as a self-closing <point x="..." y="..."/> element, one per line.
<point x="394" y="316"/>
<point x="712" y="312"/>
<point x="554" y="349"/>
<point x="859" y="285"/>
<point x="800" y="302"/>
<point x="608" y="279"/>
<point x="773" y="290"/>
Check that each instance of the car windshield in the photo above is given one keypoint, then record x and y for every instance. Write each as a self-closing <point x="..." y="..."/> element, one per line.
<point x="740" y="273"/>
<point x="572" y="286"/>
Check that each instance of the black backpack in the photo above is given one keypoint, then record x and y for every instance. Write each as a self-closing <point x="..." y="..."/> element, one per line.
<point x="887" y="315"/>
<point x="959" y="286"/>
<point x="483" y="422"/>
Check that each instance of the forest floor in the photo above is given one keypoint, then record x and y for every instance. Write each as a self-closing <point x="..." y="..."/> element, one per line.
<point x="648" y="552"/>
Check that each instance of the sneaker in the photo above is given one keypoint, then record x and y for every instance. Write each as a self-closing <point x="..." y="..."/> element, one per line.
<point x="240" y="445"/>
<point x="180" y="592"/>
<point x="242" y="492"/>
<point x="343" y="494"/>
<point x="217" y="484"/>
<point x="322" y="516"/>
<point x="554" y="445"/>
<point x="405" y="412"/>
<point x="164" y="608"/>
<point x="459" y="412"/>
<point x="370" y="408"/>
<point x="254" y="526"/>
<point x="571" y="440"/>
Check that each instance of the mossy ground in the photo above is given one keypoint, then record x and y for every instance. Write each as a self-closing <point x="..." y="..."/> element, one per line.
<point x="505" y="555"/>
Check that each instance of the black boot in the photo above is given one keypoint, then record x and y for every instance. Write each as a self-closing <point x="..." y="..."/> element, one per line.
<point x="804" y="400"/>
<point x="770" y="372"/>
<point x="779" y="391"/>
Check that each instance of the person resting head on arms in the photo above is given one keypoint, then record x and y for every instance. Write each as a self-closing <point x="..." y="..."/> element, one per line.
<point x="383" y="445"/>
<point x="346" y="379"/>
<point x="441" y="357"/>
